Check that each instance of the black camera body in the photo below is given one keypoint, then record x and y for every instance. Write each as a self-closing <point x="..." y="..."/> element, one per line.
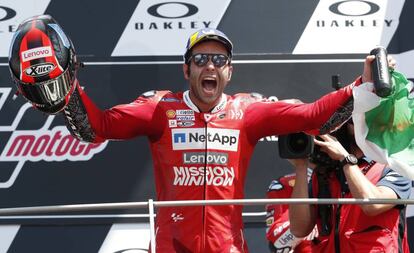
<point x="301" y="145"/>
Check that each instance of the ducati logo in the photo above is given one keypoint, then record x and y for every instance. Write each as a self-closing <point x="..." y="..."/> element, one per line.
<point x="43" y="144"/>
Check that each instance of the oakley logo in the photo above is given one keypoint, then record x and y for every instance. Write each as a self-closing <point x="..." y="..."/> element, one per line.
<point x="354" y="8"/>
<point x="161" y="10"/>
<point x="39" y="69"/>
<point x="6" y="13"/>
<point x="154" y="22"/>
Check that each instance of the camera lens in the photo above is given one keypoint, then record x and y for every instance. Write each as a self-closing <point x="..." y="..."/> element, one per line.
<point x="298" y="142"/>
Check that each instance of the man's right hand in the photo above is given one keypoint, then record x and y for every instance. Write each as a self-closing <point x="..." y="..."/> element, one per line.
<point x="367" y="73"/>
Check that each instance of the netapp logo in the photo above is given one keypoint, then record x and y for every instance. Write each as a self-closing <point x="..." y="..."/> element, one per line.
<point x="201" y="138"/>
<point x="354" y="8"/>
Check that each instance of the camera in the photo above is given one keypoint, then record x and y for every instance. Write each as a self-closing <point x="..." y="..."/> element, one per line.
<point x="301" y="145"/>
<point x="322" y="159"/>
<point x="296" y="145"/>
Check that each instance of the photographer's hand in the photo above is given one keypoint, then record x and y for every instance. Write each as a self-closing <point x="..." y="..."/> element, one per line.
<point x="359" y="185"/>
<point x="302" y="216"/>
<point x="332" y="147"/>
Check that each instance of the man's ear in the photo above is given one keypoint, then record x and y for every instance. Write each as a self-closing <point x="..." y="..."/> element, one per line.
<point x="230" y="73"/>
<point x="186" y="71"/>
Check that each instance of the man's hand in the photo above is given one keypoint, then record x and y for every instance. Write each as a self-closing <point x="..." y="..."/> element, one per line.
<point x="367" y="74"/>
<point x="332" y="147"/>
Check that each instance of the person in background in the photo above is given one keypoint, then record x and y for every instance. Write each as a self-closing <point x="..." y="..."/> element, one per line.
<point x="342" y="171"/>
<point x="278" y="234"/>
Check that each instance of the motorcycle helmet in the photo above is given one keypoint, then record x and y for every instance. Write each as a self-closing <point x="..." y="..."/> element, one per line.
<point x="207" y="34"/>
<point x="43" y="63"/>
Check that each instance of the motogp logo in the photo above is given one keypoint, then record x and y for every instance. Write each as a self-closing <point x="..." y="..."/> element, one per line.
<point x="41" y="144"/>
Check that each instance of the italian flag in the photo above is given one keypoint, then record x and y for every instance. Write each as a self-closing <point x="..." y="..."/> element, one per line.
<point x="384" y="127"/>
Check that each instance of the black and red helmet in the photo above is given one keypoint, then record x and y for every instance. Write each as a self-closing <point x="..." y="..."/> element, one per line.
<point x="43" y="63"/>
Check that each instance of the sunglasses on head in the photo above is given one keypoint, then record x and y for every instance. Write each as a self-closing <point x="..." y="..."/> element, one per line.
<point x="218" y="60"/>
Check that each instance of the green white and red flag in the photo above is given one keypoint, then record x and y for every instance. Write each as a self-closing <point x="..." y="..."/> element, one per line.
<point x="384" y="126"/>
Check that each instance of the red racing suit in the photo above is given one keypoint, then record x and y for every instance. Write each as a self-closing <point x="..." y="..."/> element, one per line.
<point x="354" y="231"/>
<point x="199" y="156"/>
<point x="281" y="240"/>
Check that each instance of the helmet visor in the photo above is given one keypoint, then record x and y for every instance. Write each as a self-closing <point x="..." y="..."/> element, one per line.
<point x="48" y="93"/>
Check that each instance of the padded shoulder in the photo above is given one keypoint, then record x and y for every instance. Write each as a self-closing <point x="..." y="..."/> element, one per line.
<point x="155" y="95"/>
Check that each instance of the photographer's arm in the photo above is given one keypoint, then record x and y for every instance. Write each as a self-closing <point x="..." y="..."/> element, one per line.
<point x="359" y="185"/>
<point x="301" y="216"/>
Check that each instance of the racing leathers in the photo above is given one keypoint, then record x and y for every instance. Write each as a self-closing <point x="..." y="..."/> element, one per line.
<point x="278" y="234"/>
<point x="199" y="156"/>
<point x="350" y="229"/>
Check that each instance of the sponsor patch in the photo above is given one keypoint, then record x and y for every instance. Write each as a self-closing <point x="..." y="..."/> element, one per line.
<point x="172" y="123"/>
<point x="201" y="138"/>
<point x="39" y="69"/>
<point x="36" y="53"/>
<point x="184" y="112"/>
<point x="269" y="221"/>
<point x="185" y="123"/>
<point x="203" y="158"/>
<point x="149" y="94"/>
<point x="209" y="175"/>
<point x="275" y="185"/>
<point x="185" y="117"/>
<point x="236" y="114"/>
<point x="221" y="115"/>
<point x="170" y="114"/>
<point x="170" y="100"/>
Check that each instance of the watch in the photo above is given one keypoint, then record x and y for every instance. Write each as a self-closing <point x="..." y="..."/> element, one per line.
<point x="349" y="159"/>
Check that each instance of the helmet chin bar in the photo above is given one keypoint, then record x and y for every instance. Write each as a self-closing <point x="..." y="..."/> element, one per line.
<point x="49" y="96"/>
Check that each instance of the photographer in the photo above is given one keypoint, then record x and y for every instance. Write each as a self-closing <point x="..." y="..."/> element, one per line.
<point x="278" y="234"/>
<point x="346" y="173"/>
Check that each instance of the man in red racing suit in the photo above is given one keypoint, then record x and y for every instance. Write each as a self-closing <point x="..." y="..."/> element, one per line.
<point x="204" y="155"/>
<point x="201" y="142"/>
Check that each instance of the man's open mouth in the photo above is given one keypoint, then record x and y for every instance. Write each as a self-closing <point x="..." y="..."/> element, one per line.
<point x="209" y="84"/>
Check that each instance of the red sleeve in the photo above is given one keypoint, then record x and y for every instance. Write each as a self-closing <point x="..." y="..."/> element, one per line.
<point x="276" y="118"/>
<point x="123" y="121"/>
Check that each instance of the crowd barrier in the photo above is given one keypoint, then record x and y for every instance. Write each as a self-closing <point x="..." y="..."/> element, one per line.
<point x="151" y="205"/>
